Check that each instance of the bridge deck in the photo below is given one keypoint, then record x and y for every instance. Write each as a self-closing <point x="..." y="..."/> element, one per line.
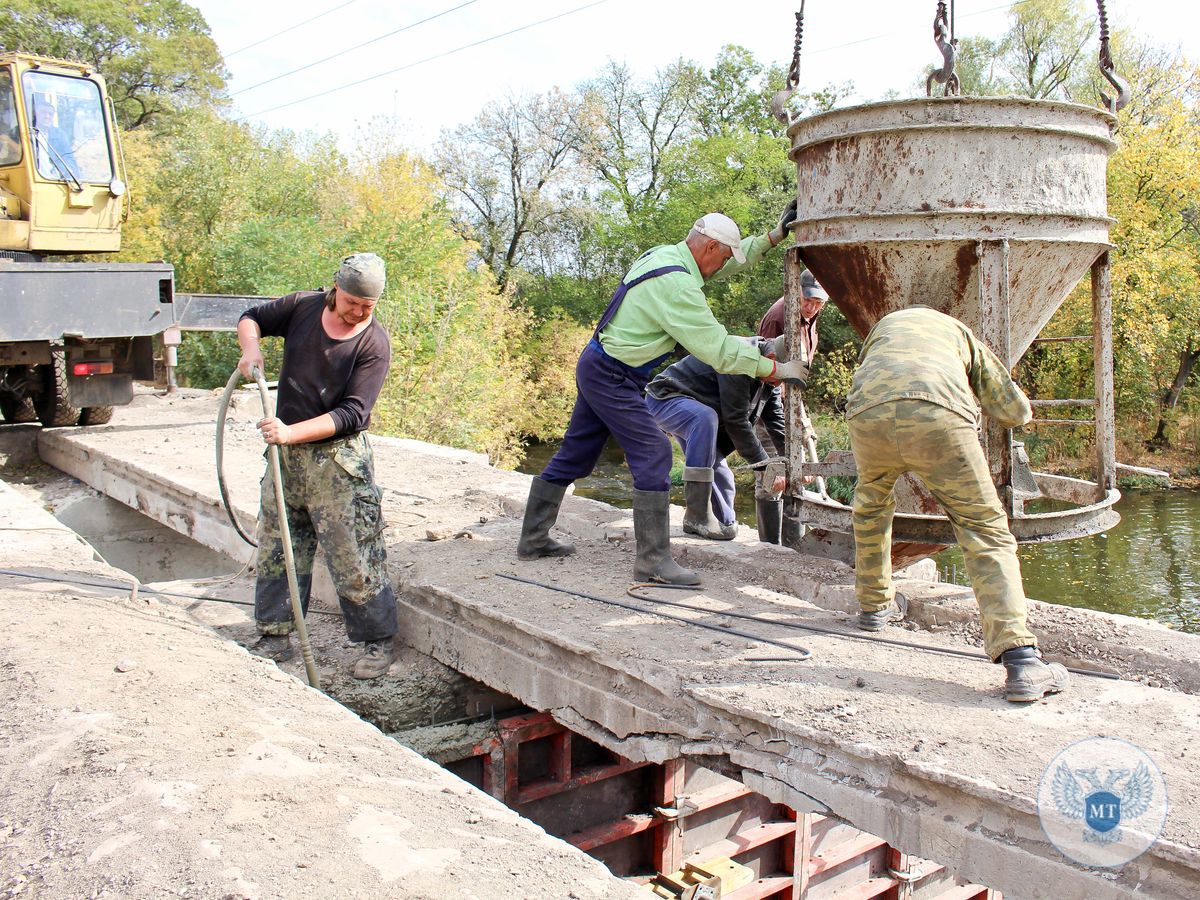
<point x="920" y="749"/>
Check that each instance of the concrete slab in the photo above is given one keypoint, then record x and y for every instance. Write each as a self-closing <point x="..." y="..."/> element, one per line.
<point x="145" y="757"/>
<point x="917" y="748"/>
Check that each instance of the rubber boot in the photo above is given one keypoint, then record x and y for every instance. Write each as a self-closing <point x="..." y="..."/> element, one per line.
<point x="377" y="658"/>
<point x="878" y="619"/>
<point x="698" y="518"/>
<point x="770" y="520"/>
<point x="541" y="510"/>
<point x="652" y="529"/>
<point x="1030" y="677"/>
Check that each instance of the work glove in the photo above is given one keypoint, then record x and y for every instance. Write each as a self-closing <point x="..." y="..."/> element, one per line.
<point x="770" y="481"/>
<point x="788" y="216"/>
<point x="794" y="372"/>
<point x="776" y="347"/>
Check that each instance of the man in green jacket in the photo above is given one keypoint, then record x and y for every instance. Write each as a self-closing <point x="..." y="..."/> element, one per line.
<point x="658" y="304"/>
<point x="914" y="407"/>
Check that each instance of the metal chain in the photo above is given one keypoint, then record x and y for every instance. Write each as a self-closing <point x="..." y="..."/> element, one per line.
<point x="1112" y="104"/>
<point x="793" y="76"/>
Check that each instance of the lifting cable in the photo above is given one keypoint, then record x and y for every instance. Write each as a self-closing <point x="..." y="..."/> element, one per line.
<point x="139" y="588"/>
<point x="816" y="629"/>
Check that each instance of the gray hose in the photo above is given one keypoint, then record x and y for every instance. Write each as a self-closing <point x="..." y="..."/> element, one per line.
<point x="285" y="533"/>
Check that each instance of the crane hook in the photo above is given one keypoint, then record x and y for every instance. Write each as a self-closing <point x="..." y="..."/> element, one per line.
<point x="943" y="36"/>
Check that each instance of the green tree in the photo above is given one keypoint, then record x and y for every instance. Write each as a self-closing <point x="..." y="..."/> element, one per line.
<point x="630" y="126"/>
<point x="1042" y="49"/>
<point x="512" y="173"/>
<point x="156" y="55"/>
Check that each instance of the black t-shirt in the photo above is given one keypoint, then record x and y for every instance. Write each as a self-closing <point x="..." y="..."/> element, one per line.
<point x="320" y="374"/>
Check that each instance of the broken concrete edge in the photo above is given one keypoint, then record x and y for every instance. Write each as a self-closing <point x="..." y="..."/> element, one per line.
<point x="864" y="789"/>
<point x="184" y="509"/>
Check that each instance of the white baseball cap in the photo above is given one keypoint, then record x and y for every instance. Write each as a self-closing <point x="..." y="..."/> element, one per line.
<point x="722" y="229"/>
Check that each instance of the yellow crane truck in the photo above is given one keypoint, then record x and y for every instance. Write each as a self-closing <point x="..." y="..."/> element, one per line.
<point x="73" y="335"/>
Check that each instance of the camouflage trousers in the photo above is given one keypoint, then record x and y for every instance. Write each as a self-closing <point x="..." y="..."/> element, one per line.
<point x="331" y="497"/>
<point x="942" y="449"/>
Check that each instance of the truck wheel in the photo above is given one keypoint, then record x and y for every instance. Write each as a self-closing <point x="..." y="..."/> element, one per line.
<point x="53" y="407"/>
<point x="17" y="409"/>
<point x="95" y="415"/>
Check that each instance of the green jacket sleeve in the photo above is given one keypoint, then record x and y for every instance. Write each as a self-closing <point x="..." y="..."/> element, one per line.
<point x="755" y="248"/>
<point x="998" y="395"/>
<point x="689" y="321"/>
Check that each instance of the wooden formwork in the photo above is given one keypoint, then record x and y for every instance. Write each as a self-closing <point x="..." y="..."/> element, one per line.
<point x="642" y="819"/>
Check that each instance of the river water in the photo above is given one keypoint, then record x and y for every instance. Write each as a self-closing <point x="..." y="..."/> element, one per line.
<point x="1148" y="566"/>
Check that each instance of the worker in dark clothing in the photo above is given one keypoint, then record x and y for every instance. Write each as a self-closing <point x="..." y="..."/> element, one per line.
<point x="711" y="415"/>
<point x="813" y="298"/>
<point x="658" y="304"/>
<point x="335" y="359"/>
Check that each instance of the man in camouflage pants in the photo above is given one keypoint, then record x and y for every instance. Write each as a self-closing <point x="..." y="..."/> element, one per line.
<point x="914" y="407"/>
<point x="335" y="359"/>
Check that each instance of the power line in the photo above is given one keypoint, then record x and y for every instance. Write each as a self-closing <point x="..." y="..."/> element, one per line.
<point x="879" y="37"/>
<point x="355" y="47"/>
<point x="272" y="37"/>
<point x="419" y="62"/>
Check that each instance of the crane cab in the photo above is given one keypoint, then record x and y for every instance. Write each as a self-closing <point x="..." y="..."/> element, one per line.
<point x="62" y="187"/>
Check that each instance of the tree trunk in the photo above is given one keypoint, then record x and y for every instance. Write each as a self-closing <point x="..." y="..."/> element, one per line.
<point x="1187" y="360"/>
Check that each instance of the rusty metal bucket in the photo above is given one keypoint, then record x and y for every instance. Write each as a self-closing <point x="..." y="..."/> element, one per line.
<point x="895" y="197"/>
<point x="990" y="209"/>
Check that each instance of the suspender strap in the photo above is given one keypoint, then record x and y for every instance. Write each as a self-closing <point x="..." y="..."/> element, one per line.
<point x="619" y="296"/>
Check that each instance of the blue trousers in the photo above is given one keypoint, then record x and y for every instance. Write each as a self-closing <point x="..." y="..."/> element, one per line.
<point x="610" y="402"/>
<point x="695" y="426"/>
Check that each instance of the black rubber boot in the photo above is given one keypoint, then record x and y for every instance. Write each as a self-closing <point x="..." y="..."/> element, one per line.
<point x="377" y="658"/>
<point x="1030" y="677"/>
<point x="698" y="518"/>
<point x="541" y="510"/>
<point x="770" y="520"/>
<point x="652" y="529"/>
<point x="277" y="647"/>
<point x="880" y="618"/>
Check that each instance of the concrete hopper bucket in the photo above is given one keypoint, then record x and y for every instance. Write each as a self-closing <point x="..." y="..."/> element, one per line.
<point x="988" y="209"/>
<point x="896" y="197"/>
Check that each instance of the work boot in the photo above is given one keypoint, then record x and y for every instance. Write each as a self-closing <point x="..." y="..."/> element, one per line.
<point x="276" y="647"/>
<point x="652" y="530"/>
<point x="541" y="509"/>
<point x="770" y="520"/>
<point x="877" y="620"/>
<point x="1030" y="677"/>
<point x="377" y="658"/>
<point x="698" y="518"/>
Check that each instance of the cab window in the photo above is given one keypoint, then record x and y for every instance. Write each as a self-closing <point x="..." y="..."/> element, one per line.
<point x="67" y="130"/>
<point x="10" y="134"/>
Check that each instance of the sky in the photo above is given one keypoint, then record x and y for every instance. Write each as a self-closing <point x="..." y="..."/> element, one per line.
<point x="431" y="85"/>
